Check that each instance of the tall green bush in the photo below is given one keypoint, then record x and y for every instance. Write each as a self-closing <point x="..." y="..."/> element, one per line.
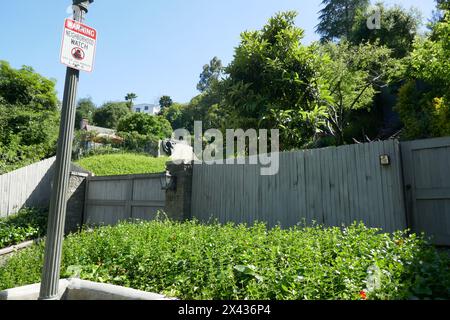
<point x="424" y="100"/>
<point x="29" y="117"/>
<point x="110" y="114"/>
<point x="146" y="125"/>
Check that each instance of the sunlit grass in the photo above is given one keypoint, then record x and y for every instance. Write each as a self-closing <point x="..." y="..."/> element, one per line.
<point x="121" y="164"/>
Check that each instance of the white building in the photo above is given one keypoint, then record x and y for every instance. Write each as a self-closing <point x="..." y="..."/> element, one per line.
<point x="147" y="108"/>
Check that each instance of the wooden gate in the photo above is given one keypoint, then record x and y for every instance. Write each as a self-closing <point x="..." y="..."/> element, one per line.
<point x="118" y="198"/>
<point x="426" y="167"/>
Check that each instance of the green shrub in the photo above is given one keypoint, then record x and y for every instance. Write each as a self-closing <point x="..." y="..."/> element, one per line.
<point x="424" y="100"/>
<point x="28" y="224"/>
<point x="194" y="261"/>
<point x="29" y="117"/>
<point x="424" y="113"/>
<point x="145" y="124"/>
<point x="122" y="163"/>
<point x="110" y="113"/>
<point x="135" y="142"/>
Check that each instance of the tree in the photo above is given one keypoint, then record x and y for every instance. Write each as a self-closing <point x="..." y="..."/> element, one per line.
<point x="109" y="114"/>
<point x="29" y="117"/>
<point x="145" y="124"/>
<point x="211" y="73"/>
<point x="85" y="110"/>
<point x="338" y="16"/>
<point x="352" y="75"/>
<point x="272" y="82"/>
<point x="424" y="100"/>
<point x="398" y="29"/>
<point x="165" y="102"/>
<point x="175" y="115"/>
<point x="27" y="88"/>
<point x="130" y="97"/>
<point x="442" y="6"/>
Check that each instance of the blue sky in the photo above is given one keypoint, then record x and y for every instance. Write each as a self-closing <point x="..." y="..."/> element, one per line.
<point x="150" y="47"/>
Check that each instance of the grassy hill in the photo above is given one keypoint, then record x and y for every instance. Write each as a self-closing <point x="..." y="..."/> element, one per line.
<point x="121" y="164"/>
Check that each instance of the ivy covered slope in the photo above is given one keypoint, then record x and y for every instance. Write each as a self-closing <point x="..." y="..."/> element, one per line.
<point x="122" y="163"/>
<point x="195" y="261"/>
<point x="28" y="224"/>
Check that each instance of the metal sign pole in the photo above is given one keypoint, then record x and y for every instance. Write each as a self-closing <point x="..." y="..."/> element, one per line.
<point x="58" y="201"/>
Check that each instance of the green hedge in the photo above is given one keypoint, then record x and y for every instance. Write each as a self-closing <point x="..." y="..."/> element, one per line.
<point x="123" y="163"/>
<point x="28" y="224"/>
<point x="195" y="261"/>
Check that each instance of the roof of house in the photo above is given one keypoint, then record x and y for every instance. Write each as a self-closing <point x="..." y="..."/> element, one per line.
<point x="100" y="130"/>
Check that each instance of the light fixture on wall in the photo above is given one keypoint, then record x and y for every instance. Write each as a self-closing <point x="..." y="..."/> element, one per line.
<point x="385" y="160"/>
<point x="168" y="182"/>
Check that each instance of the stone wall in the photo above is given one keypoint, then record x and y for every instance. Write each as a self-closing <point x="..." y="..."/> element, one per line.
<point x="178" y="200"/>
<point x="75" y="201"/>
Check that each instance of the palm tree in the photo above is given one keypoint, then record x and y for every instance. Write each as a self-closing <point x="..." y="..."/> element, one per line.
<point x="130" y="97"/>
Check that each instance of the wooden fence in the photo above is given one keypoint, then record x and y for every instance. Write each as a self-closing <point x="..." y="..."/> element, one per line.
<point x="331" y="186"/>
<point x="426" y="166"/>
<point x="117" y="198"/>
<point x="27" y="187"/>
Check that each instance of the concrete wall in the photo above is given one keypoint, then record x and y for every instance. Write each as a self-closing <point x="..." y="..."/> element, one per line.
<point x="178" y="200"/>
<point x="76" y="289"/>
<point x="75" y="201"/>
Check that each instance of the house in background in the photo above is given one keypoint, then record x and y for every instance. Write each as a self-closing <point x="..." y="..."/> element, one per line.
<point x="101" y="134"/>
<point x="147" y="108"/>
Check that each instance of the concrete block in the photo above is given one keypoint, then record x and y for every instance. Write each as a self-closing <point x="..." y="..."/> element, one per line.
<point x="76" y="289"/>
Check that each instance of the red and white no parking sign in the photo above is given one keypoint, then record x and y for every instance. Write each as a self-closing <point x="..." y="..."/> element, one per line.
<point x="78" y="46"/>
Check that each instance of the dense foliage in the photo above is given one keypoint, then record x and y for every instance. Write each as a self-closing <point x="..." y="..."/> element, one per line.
<point x="273" y="81"/>
<point x="122" y="163"/>
<point x="194" y="261"/>
<point x="165" y="102"/>
<point x="29" y="117"/>
<point x="398" y="29"/>
<point x="333" y="92"/>
<point x="28" y="224"/>
<point x="354" y="75"/>
<point x="110" y="114"/>
<point x="85" y="110"/>
<point x="25" y="87"/>
<point x="424" y="100"/>
<point x="337" y="18"/>
<point x="176" y="115"/>
<point x="145" y="124"/>
<point x="210" y="75"/>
